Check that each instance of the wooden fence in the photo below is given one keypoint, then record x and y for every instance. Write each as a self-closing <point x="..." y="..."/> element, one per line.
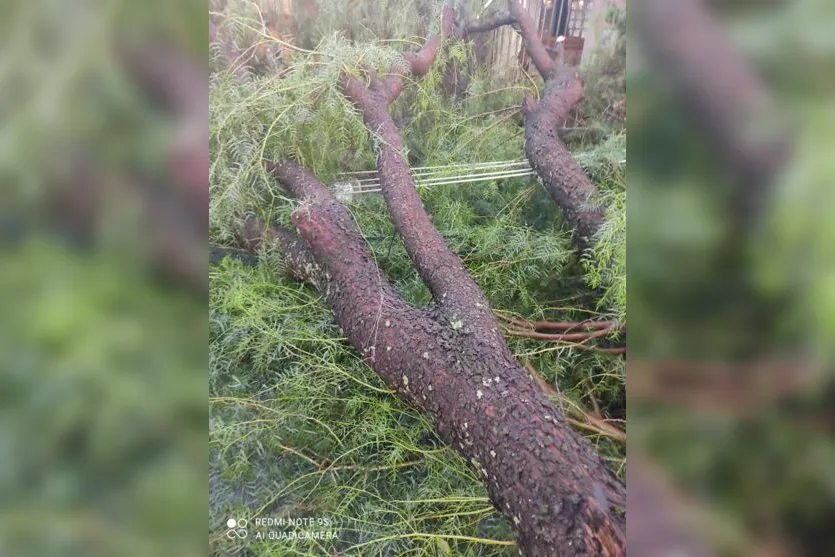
<point x="561" y="25"/>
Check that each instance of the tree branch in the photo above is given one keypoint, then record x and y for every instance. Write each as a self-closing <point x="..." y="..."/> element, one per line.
<point x="440" y="268"/>
<point x="593" y="422"/>
<point x="556" y="325"/>
<point x="333" y="238"/>
<point x="299" y="181"/>
<point x="533" y="43"/>
<point x="564" y="179"/>
<point x="498" y="20"/>
<point x="298" y="259"/>
<point x="564" y="337"/>
<point x="451" y="361"/>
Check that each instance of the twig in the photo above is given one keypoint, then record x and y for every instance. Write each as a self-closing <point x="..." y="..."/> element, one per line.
<point x="591" y="422"/>
<point x="594" y="400"/>
<point x="577" y="337"/>
<point x="556" y="325"/>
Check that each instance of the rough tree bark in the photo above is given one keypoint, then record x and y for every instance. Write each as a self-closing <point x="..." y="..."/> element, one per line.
<point x="448" y="360"/>
<point x="562" y="176"/>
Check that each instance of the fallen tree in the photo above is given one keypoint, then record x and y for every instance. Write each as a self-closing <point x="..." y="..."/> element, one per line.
<point x="449" y="360"/>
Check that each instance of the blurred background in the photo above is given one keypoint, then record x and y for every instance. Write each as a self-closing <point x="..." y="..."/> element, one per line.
<point x="299" y="423"/>
<point x="103" y="263"/>
<point x="731" y="262"/>
<point x="103" y="277"/>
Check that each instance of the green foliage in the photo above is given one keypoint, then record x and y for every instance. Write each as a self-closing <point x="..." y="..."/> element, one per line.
<point x="102" y="399"/>
<point x="301" y="114"/>
<point x="300" y="425"/>
<point x="605" y="262"/>
<point x="406" y="20"/>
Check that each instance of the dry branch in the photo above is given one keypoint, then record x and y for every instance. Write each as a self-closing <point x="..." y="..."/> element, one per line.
<point x="594" y="329"/>
<point x="565" y="337"/>
<point x="557" y="325"/>
<point x="590" y="421"/>
<point x="498" y="20"/>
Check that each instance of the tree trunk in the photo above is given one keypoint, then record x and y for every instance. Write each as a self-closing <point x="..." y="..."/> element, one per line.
<point x="448" y="360"/>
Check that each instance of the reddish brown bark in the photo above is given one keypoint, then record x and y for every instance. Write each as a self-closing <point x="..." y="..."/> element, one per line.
<point x="567" y="337"/>
<point x="562" y="176"/>
<point x="449" y="360"/>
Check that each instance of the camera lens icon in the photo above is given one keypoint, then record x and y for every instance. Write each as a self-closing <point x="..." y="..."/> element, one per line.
<point x="237" y="528"/>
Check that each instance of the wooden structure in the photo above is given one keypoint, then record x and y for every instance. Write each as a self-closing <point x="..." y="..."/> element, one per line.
<point x="561" y="24"/>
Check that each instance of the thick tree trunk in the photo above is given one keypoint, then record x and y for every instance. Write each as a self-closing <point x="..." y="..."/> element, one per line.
<point x="562" y="176"/>
<point x="541" y="475"/>
<point x="449" y="360"/>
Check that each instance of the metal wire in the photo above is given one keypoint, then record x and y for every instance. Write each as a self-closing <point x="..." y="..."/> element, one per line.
<point x="441" y="172"/>
<point x="446" y="166"/>
<point x="426" y="176"/>
<point x="374" y="188"/>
